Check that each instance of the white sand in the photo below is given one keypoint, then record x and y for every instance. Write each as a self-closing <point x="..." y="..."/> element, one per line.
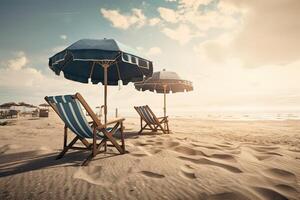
<point x="200" y="160"/>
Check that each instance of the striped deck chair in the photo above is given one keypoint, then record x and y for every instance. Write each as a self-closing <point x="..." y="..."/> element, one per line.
<point x="69" y="110"/>
<point x="152" y="122"/>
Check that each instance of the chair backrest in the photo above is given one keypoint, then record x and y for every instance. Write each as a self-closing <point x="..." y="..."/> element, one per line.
<point x="69" y="109"/>
<point x="146" y="114"/>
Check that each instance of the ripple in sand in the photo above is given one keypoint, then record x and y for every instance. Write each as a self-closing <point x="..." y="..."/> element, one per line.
<point x="228" y="196"/>
<point x="287" y="189"/>
<point x="281" y="174"/>
<point x="205" y="161"/>
<point x="207" y="147"/>
<point x="269" y="194"/>
<point x="192" y="152"/>
<point x="152" y="174"/>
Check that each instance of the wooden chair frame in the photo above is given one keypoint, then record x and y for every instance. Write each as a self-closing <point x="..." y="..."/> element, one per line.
<point x="97" y="126"/>
<point x="155" y="125"/>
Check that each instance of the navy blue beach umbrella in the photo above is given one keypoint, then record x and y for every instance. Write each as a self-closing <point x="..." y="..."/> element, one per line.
<point x="107" y="61"/>
<point x="164" y="82"/>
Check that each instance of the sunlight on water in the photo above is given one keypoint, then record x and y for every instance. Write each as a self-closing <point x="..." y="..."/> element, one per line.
<point x="221" y="115"/>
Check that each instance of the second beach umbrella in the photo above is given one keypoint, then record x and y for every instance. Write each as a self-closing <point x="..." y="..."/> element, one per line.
<point x="107" y="61"/>
<point x="164" y="82"/>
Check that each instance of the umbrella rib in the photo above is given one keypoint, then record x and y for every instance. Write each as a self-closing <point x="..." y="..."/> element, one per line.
<point x="118" y="70"/>
<point x="92" y="70"/>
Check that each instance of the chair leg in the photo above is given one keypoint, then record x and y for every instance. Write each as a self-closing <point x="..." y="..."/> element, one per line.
<point x="65" y="136"/>
<point x="168" y="128"/>
<point x="105" y="145"/>
<point x="122" y="138"/>
<point x="142" y="128"/>
<point x="141" y="125"/>
<point x="67" y="148"/>
<point x="91" y="156"/>
<point x="113" y="141"/>
<point x="87" y="160"/>
<point x="94" y="143"/>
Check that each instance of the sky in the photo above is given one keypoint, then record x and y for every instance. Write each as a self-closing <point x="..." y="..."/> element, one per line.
<point x="239" y="54"/>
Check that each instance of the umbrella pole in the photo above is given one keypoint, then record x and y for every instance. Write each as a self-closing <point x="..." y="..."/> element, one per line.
<point x="165" y="104"/>
<point x="105" y="66"/>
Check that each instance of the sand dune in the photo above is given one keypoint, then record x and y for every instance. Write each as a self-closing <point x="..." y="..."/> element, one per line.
<point x="213" y="160"/>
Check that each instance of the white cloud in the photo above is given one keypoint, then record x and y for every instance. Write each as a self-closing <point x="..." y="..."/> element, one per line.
<point x="153" y="51"/>
<point x="182" y="33"/>
<point x="258" y="41"/>
<point x="154" y="21"/>
<point x="192" y="4"/>
<point x="15" y="73"/>
<point x="169" y="15"/>
<point x="216" y="50"/>
<point x="124" y="21"/>
<point x="188" y="13"/>
<point x="17" y="63"/>
<point x="228" y="8"/>
<point x="63" y="37"/>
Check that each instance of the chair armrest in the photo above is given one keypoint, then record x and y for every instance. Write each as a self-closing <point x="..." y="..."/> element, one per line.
<point x="111" y="122"/>
<point x="162" y="117"/>
<point x="115" y="121"/>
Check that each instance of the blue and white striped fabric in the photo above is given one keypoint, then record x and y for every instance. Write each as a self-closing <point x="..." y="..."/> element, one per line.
<point x="147" y="115"/>
<point x="71" y="113"/>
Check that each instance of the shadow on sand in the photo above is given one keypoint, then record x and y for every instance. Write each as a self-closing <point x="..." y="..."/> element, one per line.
<point x="20" y="162"/>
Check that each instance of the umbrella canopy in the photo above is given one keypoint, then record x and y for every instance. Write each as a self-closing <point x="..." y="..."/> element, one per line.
<point x="84" y="60"/>
<point x="107" y="61"/>
<point x="164" y="82"/>
<point x="8" y="105"/>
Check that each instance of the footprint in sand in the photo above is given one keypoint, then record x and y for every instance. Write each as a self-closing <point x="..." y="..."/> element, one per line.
<point x="150" y="141"/>
<point x="188" y="151"/>
<point x="269" y="194"/>
<point x="91" y="174"/>
<point x="152" y="174"/>
<point x="4" y="148"/>
<point x="155" y="151"/>
<point x="223" y="156"/>
<point x="171" y="144"/>
<point x="281" y="174"/>
<point x="228" y="196"/>
<point x="138" y="154"/>
<point x="205" y="161"/>
<point x="141" y="152"/>
<point x="8" y="147"/>
<point x="187" y="171"/>
<point x="141" y="144"/>
<point x="182" y="139"/>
